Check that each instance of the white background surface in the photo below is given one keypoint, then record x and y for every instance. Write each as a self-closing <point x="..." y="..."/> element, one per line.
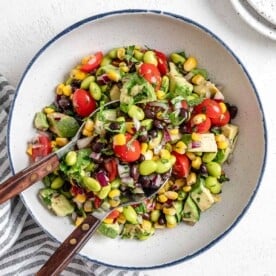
<point x="250" y="248"/>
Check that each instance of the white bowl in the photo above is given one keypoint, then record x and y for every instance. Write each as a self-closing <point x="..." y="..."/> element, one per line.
<point x="167" y="32"/>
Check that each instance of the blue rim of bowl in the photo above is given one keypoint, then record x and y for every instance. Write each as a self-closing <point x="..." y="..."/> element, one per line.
<point x="221" y="42"/>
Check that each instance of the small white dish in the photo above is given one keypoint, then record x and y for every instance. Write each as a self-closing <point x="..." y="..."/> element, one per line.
<point x="258" y="16"/>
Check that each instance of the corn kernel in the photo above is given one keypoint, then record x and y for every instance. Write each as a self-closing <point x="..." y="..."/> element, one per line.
<point x="165" y="154"/>
<point x="144" y="148"/>
<point x="88" y="206"/>
<point x="48" y="110"/>
<point x="161" y="191"/>
<point x="108" y="220"/>
<point x="158" y="206"/>
<point x="223" y="107"/>
<point x="162" y="198"/>
<point x="79" y="221"/>
<point x="146" y="225"/>
<point x="197" y="79"/>
<point x="220" y="138"/>
<point x="190" y="64"/>
<point x="154" y="157"/>
<point x="191" y="179"/>
<point x="53" y="144"/>
<point x="85" y="60"/>
<point x="171" y="225"/>
<point x="191" y="156"/>
<point x="159" y="115"/>
<point x="195" y="136"/>
<point x="168" y="185"/>
<point x="174" y="131"/>
<point x="67" y="90"/>
<point x="29" y="150"/>
<point x="59" y="89"/>
<point x="120" y="209"/>
<point x="80" y="198"/>
<point x="114" y="203"/>
<point x="148" y="155"/>
<point x="114" y="193"/>
<point x="89" y="125"/>
<point x="113" y="75"/>
<point x="60" y="141"/>
<point x="169" y="211"/>
<point x="121" y="219"/>
<point x="178" y="183"/>
<point x="130" y="127"/>
<point x="180" y="147"/>
<point x="121" y="52"/>
<point x="77" y="74"/>
<point x="161" y="95"/>
<point x="222" y="144"/>
<point x="168" y="147"/>
<point x="196" y="163"/>
<point x="198" y="119"/>
<point x="171" y="195"/>
<point x="86" y="132"/>
<point x="119" y="139"/>
<point x="187" y="189"/>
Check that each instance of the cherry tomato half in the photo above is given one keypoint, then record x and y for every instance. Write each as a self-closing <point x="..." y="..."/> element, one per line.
<point x="209" y="107"/>
<point x="93" y="62"/>
<point x="162" y="63"/>
<point x="223" y="119"/>
<point x="151" y="73"/>
<point x="83" y="103"/>
<point x="129" y="152"/>
<point x="111" y="168"/>
<point x="41" y="148"/>
<point x="202" y="127"/>
<point x="114" y="214"/>
<point x="181" y="167"/>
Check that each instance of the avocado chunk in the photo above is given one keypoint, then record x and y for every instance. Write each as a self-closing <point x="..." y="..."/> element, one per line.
<point x="63" y="125"/>
<point x="138" y="231"/>
<point x="40" y="121"/>
<point x="179" y="86"/>
<point x="109" y="230"/>
<point x="190" y="213"/>
<point x="56" y="202"/>
<point x="202" y="196"/>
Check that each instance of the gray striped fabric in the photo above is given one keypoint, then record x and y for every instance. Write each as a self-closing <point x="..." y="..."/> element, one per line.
<point x="24" y="247"/>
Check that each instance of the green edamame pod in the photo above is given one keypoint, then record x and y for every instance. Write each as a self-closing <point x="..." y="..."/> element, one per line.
<point x="176" y="58"/>
<point x="212" y="184"/>
<point x="95" y="91"/>
<point x="208" y="156"/>
<point x="71" y="158"/>
<point x="138" y="55"/>
<point x="147" y="167"/>
<point x="57" y="183"/>
<point x="163" y="165"/>
<point x="130" y="214"/>
<point x="86" y="82"/>
<point x="136" y="112"/>
<point x="91" y="184"/>
<point x="113" y="53"/>
<point x="150" y="57"/>
<point x="154" y="215"/>
<point x="114" y="93"/>
<point x="214" y="169"/>
<point x="106" y="60"/>
<point x="104" y="191"/>
<point x="115" y="183"/>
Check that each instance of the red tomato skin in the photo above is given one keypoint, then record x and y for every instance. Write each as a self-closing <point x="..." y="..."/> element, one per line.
<point x="111" y="168"/>
<point x="114" y="214"/>
<point x="162" y="63"/>
<point x="151" y="73"/>
<point x="209" y="107"/>
<point x="42" y="148"/>
<point x="202" y="127"/>
<point x="83" y="103"/>
<point x="128" y="153"/>
<point x="181" y="167"/>
<point x="222" y="120"/>
<point x="92" y="63"/>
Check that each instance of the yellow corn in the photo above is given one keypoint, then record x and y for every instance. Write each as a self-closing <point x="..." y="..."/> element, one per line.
<point x="29" y="150"/>
<point x="120" y="209"/>
<point x="146" y="225"/>
<point x="67" y="90"/>
<point x="199" y="118"/>
<point x="79" y="221"/>
<point x="191" y="179"/>
<point x="119" y="139"/>
<point x="169" y="211"/>
<point x="171" y="195"/>
<point x="162" y="198"/>
<point x="86" y="132"/>
<point x="161" y="191"/>
<point x="187" y="189"/>
<point x="191" y="156"/>
<point x="178" y="183"/>
<point x="190" y="64"/>
<point x="121" y="52"/>
<point x="170" y="225"/>
<point x="223" y="107"/>
<point x="195" y="136"/>
<point x="89" y="125"/>
<point x="114" y="203"/>
<point x="165" y="154"/>
<point x="80" y="198"/>
<point x="154" y="157"/>
<point x="60" y="141"/>
<point x="59" y="89"/>
<point x="144" y="148"/>
<point x="77" y="74"/>
<point x="113" y="75"/>
<point x="85" y="59"/>
<point x="180" y="147"/>
<point x="222" y="144"/>
<point x="220" y="138"/>
<point x="48" y="110"/>
<point x="168" y="185"/>
<point x="53" y="144"/>
<point x="161" y="95"/>
<point x="196" y="163"/>
<point x="123" y="67"/>
<point x="158" y="206"/>
<point x="197" y="79"/>
<point x="174" y="131"/>
<point x="108" y="220"/>
<point x="159" y="115"/>
<point x="121" y="219"/>
<point x="129" y="127"/>
<point x="114" y="193"/>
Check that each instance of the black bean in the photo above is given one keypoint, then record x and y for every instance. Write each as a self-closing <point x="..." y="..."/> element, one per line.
<point x="64" y="103"/>
<point x="153" y="133"/>
<point x="145" y="181"/>
<point x="158" y="124"/>
<point x="161" y="220"/>
<point x="114" y="126"/>
<point x="97" y="147"/>
<point x="134" y="172"/>
<point x="233" y="110"/>
<point x="203" y="169"/>
<point x="183" y="128"/>
<point x="149" y="114"/>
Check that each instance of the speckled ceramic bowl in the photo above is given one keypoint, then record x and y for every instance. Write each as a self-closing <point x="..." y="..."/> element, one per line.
<point x="167" y="32"/>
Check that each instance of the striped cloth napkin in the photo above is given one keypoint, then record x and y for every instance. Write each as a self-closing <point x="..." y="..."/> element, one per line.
<point x="24" y="247"/>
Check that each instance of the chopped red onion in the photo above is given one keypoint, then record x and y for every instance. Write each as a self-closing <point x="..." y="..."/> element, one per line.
<point x="102" y="178"/>
<point x="84" y="142"/>
<point x="196" y="144"/>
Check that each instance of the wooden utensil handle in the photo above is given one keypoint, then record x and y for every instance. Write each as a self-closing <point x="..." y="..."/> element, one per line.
<point x="25" y="178"/>
<point x="64" y="254"/>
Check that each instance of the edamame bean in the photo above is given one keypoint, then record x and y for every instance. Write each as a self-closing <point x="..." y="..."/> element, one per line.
<point x="114" y="93"/>
<point x="147" y="123"/>
<point x="86" y="82"/>
<point x="150" y="57"/>
<point x="130" y="214"/>
<point x="212" y="184"/>
<point x="113" y="53"/>
<point x="138" y="55"/>
<point x="171" y="219"/>
<point x="91" y="184"/>
<point x="208" y="156"/>
<point x="214" y="169"/>
<point x="71" y="158"/>
<point x="104" y="191"/>
<point x="154" y="215"/>
<point x="57" y="183"/>
<point x="106" y="60"/>
<point x="95" y="91"/>
<point x="147" y="167"/>
<point x="176" y="58"/>
<point x="163" y="165"/>
<point x="136" y="112"/>
<point x="115" y="183"/>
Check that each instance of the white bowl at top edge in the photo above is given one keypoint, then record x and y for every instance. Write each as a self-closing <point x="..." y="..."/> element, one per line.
<point x="166" y="32"/>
